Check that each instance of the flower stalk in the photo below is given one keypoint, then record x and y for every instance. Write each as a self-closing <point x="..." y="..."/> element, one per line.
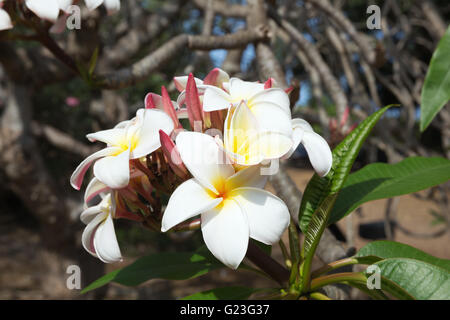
<point x="267" y="264"/>
<point x="356" y="277"/>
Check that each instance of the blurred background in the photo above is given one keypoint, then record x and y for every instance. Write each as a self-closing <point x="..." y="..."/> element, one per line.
<point x="340" y="72"/>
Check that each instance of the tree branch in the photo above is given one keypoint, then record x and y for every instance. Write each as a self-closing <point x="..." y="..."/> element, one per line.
<point x="141" y="69"/>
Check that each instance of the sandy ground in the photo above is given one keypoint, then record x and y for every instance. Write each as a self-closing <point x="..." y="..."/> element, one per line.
<point x="29" y="272"/>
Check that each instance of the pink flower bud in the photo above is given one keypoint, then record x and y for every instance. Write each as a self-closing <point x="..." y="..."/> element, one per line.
<point x="149" y="101"/>
<point x="215" y="78"/>
<point x="173" y="156"/>
<point x="169" y="108"/>
<point x="193" y="105"/>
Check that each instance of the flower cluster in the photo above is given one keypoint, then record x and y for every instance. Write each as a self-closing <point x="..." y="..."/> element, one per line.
<point x="50" y="9"/>
<point x="213" y="170"/>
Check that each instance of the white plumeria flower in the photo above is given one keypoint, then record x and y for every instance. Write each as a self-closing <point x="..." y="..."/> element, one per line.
<point x="5" y="20"/>
<point x="99" y="237"/>
<point x="131" y="139"/>
<point x="319" y="152"/>
<point x="252" y="93"/>
<point x="249" y="139"/>
<point x="259" y="125"/>
<point x="233" y="205"/>
<point x="48" y="9"/>
<point x="111" y="5"/>
<point x="258" y="118"/>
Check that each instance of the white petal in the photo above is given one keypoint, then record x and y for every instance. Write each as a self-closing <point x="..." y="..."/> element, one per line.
<point x="251" y="144"/>
<point x="90" y="213"/>
<point x="247" y="177"/>
<point x="77" y="176"/>
<point x="271" y="118"/>
<point x="226" y="232"/>
<point x="112" y="137"/>
<point x="93" y="4"/>
<point x="181" y="100"/>
<point x="157" y="101"/>
<point x="204" y="159"/>
<point x="181" y="82"/>
<point x="241" y="131"/>
<point x="187" y="201"/>
<point x="5" y="20"/>
<point x="227" y="125"/>
<point x="298" y="123"/>
<point x="123" y="124"/>
<point x="87" y="238"/>
<point x="215" y="99"/>
<point x="268" y="217"/>
<point x="273" y="95"/>
<point x="226" y="86"/>
<point x="299" y="126"/>
<point x="272" y="145"/>
<point x="112" y="5"/>
<point x="319" y="152"/>
<point x="148" y="135"/>
<point x="105" y="242"/>
<point x="221" y="77"/>
<point x="244" y="90"/>
<point x="114" y="171"/>
<point x="45" y="9"/>
<point x="94" y="188"/>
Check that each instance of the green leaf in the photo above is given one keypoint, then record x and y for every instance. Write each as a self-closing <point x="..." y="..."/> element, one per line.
<point x="317" y="225"/>
<point x="389" y="249"/>
<point x="225" y="293"/>
<point x="436" y="88"/>
<point x="167" y="265"/>
<point x="380" y="180"/>
<point x="344" y="155"/>
<point x="312" y="237"/>
<point x="375" y="294"/>
<point x="421" y="280"/>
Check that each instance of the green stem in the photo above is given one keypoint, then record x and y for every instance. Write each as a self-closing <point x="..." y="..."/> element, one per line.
<point x="287" y="258"/>
<point x="320" y="282"/>
<point x="294" y="243"/>
<point x="294" y="246"/>
<point x="318" y="296"/>
<point x="333" y="265"/>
